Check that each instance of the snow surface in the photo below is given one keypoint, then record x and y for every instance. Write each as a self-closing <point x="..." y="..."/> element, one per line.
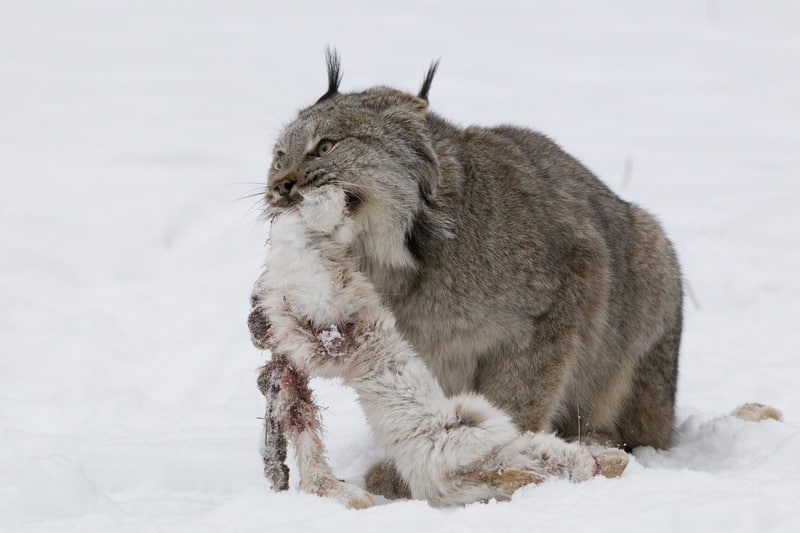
<point x="129" y="129"/>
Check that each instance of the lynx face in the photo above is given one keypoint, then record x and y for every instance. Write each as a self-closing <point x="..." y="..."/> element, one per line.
<point x="362" y="142"/>
<point x="375" y="145"/>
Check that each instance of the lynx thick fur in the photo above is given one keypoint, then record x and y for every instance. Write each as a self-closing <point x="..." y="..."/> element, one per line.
<point x="510" y="268"/>
<point x="327" y="319"/>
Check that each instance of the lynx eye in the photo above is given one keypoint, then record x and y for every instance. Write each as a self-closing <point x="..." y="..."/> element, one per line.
<point x="323" y="147"/>
<point x="279" y="157"/>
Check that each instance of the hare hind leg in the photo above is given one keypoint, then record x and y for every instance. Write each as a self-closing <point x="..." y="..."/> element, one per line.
<point x="291" y="408"/>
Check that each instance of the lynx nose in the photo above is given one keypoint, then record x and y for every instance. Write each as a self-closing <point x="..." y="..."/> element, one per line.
<point x="284" y="186"/>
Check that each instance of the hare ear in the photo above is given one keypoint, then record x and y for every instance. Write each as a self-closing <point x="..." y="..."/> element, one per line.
<point x="426" y="83"/>
<point x="333" y="61"/>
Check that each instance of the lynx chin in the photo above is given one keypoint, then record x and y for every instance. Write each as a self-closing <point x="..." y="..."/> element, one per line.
<point x="514" y="275"/>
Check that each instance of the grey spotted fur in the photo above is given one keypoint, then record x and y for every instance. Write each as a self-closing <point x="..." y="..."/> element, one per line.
<point x="509" y="266"/>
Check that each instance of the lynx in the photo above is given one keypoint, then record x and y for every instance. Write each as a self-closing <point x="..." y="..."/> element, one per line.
<point x="510" y="269"/>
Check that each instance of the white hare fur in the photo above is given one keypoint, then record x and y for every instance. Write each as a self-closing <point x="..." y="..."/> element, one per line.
<point x="327" y="319"/>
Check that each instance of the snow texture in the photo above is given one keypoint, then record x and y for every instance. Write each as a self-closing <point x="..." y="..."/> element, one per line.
<point x="127" y="380"/>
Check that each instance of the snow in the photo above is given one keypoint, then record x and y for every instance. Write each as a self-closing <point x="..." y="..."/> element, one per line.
<point x="129" y="129"/>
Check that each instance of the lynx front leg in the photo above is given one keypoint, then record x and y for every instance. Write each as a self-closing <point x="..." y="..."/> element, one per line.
<point x="526" y="382"/>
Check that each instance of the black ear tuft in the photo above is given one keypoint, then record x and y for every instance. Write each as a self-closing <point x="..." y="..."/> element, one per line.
<point x="334" y="73"/>
<point x="426" y="84"/>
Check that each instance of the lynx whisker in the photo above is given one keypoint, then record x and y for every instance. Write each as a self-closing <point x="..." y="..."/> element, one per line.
<point x="259" y="194"/>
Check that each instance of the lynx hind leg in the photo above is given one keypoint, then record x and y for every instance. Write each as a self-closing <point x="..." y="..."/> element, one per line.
<point x="649" y="416"/>
<point x="756" y="412"/>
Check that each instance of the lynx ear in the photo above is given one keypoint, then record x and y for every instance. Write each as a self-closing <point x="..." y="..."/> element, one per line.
<point x="426" y="83"/>
<point x="334" y="73"/>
